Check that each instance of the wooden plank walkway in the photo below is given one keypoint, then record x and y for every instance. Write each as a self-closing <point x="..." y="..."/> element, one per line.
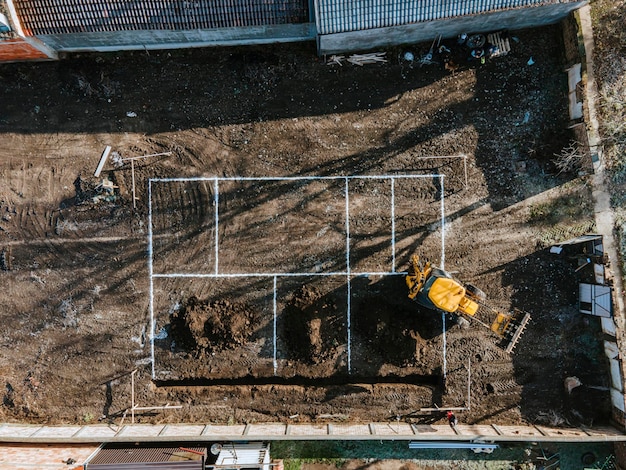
<point x="280" y="431"/>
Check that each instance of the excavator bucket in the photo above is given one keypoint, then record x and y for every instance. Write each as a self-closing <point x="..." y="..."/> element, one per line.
<point x="510" y="327"/>
<point x="416" y="276"/>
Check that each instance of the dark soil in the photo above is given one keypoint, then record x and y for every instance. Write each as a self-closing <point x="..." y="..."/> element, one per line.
<point x="282" y="330"/>
<point x="211" y="326"/>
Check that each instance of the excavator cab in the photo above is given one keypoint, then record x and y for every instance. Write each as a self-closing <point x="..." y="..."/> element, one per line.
<point x="450" y="296"/>
<point x="436" y="289"/>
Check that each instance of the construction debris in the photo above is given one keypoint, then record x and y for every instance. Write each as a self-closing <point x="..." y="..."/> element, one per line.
<point x="103" y="160"/>
<point x="363" y="59"/>
<point x="336" y="60"/>
<point x="358" y="59"/>
<point x="571" y="383"/>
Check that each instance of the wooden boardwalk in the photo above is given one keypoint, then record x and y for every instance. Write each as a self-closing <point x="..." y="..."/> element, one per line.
<point x="279" y="431"/>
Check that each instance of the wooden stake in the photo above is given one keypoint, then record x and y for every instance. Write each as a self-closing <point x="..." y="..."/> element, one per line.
<point x="469" y="381"/>
<point x="146" y="156"/>
<point x="465" y="169"/>
<point x="132" y="397"/>
<point x="132" y="170"/>
<point x="134" y="407"/>
<point x="450" y="408"/>
<point x="185" y="449"/>
<point x="119" y="426"/>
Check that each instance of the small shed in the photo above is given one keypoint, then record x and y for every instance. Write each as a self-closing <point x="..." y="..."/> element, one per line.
<point x="586" y="245"/>
<point x="243" y="455"/>
<point x="595" y="300"/>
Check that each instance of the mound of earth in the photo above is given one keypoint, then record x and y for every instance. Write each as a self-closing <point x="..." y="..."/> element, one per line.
<point x="388" y="330"/>
<point x="312" y="321"/>
<point x="212" y="325"/>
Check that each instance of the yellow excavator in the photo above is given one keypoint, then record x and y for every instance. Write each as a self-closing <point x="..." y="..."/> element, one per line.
<point x="435" y="289"/>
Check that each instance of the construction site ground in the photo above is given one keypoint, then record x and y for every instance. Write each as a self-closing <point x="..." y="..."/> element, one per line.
<point x="210" y="263"/>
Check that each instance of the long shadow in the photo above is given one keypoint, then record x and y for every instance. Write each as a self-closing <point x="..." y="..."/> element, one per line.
<point x="259" y="83"/>
<point x="178" y="90"/>
<point x="414" y="379"/>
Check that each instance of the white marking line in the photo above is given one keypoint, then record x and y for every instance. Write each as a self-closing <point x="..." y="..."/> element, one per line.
<point x="443" y="261"/>
<point x="216" y="203"/>
<point x="151" y="300"/>
<point x="393" y="225"/>
<point x="349" y="317"/>
<point x="236" y="275"/>
<point x="348" y="271"/>
<point x="63" y="241"/>
<point x="443" y="225"/>
<point x="288" y="178"/>
<point x="347" y="198"/>
<point x="275" y="363"/>
<point x="443" y="323"/>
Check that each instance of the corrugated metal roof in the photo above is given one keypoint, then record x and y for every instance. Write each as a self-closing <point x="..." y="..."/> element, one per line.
<point x="191" y="465"/>
<point x="123" y="455"/>
<point x="338" y="16"/>
<point x="39" y="17"/>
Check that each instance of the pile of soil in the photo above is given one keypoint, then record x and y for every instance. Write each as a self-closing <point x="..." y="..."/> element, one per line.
<point x="210" y="326"/>
<point x="311" y="318"/>
<point x="380" y="326"/>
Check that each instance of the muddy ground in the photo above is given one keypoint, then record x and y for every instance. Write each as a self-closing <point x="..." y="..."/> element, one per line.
<point x="255" y="344"/>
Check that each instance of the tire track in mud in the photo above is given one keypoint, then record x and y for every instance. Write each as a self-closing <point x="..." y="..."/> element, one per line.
<point x="491" y="374"/>
<point x="186" y="205"/>
<point x="58" y="238"/>
<point x="183" y="215"/>
<point x="58" y="253"/>
<point x="185" y="154"/>
<point x="37" y="228"/>
<point x="26" y="223"/>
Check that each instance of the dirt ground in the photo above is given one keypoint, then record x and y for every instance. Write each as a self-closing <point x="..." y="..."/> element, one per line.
<point x="76" y="257"/>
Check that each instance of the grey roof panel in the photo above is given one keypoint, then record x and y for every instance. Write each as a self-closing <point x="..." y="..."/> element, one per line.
<point x="339" y="16"/>
<point x="41" y="17"/>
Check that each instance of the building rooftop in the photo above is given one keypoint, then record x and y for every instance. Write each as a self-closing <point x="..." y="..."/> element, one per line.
<point x="40" y="17"/>
<point x="338" y="16"/>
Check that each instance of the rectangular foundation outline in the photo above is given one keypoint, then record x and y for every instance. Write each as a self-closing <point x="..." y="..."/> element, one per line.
<point x="347" y="273"/>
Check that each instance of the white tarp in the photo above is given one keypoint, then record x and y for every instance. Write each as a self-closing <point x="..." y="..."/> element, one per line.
<point x="608" y="326"/>
<point x="595" y="300"/>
